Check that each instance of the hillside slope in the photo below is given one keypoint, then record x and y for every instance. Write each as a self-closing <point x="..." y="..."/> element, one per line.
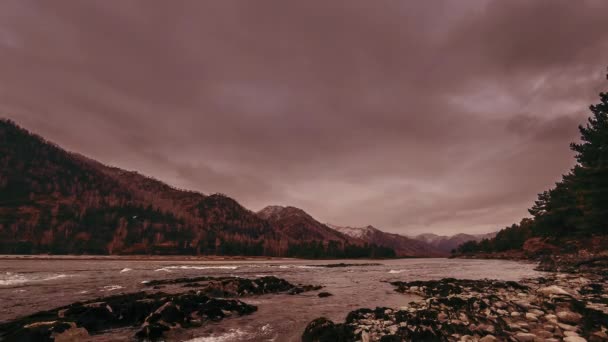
<point x="403" y="246"/>
<point x="447" y="244"/>
<point x="54" y="201"/>
<point x="300" y="226"/>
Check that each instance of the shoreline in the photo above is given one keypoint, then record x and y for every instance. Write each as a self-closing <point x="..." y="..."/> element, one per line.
<point x="147" y="257"/>
<point x="568" y="307"/>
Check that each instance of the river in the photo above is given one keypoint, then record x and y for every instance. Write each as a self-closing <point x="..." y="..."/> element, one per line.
<point x="31" y="284"/>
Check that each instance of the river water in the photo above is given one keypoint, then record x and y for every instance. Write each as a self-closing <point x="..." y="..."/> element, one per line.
<point x="28" y="285"/>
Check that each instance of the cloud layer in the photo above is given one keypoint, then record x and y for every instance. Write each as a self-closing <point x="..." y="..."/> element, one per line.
<point x="438" y="116"/>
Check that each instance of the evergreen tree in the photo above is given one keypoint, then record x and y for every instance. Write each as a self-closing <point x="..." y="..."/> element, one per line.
<point x="579" y="203"/>
<point x="592" y="172"/>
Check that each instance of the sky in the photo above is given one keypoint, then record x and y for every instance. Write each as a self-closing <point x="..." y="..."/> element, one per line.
<point x="411" y="116"/>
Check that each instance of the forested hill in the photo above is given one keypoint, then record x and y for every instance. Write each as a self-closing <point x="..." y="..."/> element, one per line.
<point x="54" y="201"/>
<point x="573" y="215"/>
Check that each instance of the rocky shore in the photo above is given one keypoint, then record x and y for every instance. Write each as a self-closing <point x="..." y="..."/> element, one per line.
<point x="235" y="286"/>
<point x="559" y="307"/>
<point x="151" y="314"/>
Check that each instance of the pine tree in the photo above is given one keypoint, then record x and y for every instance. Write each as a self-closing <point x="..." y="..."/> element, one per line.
<point x="592" y="171"/>
<point x="579" y="203"/>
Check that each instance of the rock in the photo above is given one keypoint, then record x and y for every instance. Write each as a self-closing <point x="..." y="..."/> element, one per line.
<point x="236" y="286"/>
<point x="153" y="313"/>
<point x="598" y="336"/>
<point x="566" y="327"/>
<point x="531" y="317"/>
<point x="553" y="290"/>
<point x="537" y="312"/>
<point x="482" y="310"/>
<point x="364" y="336"/>
<point x="463" y="317"/>
<point x="574" y="339"/>
<point x="500" y="304"/>
<point x="488" y="329"/>
<point x="551" y="318"/>
<point x="73" y="334"/>
<point x="324" y="330"/>
<point x="569" y="317"/>
<point x="543" y="334"/>
<point x="525" y="337"/>
<point x="524" y="305"/>
<point x="324" y="294"/>
<point x="514" y="326"/>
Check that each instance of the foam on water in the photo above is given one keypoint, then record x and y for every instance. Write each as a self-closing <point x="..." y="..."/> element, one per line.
<point x="12" y="279"/>
<point x="108" y="288"/>
<point x="169" y="268"/>
<point x="396" y="271"/>
<point x="9" y="278"/>
<point x="125" y="270"/>
<point x="263" y="334"/>
<point x="298" y="266"/>
<point x="58" y="276"/>
<point x="232" y="335"/>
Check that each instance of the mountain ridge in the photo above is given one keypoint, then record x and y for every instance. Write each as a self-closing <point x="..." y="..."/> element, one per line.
<point x="61" y="202"/>
<point x="403" y="245"/>
<point x="447" y="243"/>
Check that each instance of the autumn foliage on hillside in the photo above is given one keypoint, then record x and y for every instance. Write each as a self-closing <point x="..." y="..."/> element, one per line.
<point x="54" y="201"/>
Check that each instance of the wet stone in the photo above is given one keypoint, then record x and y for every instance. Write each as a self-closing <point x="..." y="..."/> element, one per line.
<point x="543" y="309"/>
<point x="153" y="314"/>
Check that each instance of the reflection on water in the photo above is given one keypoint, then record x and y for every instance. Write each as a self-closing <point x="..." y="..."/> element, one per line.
<point x="28" y="286"/>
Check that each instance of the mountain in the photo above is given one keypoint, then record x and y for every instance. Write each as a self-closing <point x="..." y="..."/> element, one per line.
<point x="55" y="201"/>
<point x="448" y="243"/>
<point x="403" y="246"/>
<point x="300" y="226"/>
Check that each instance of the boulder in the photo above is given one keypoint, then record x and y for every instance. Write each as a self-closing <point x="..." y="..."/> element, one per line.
<point x="154" y="313"/>
<point x="574" y="339"/>
<point x="73" y="334"/>
<point x="553" y="290"/>
<point x="324" y="330"/>
<point x="569" y="317"/>
<point x="525" y="337"/>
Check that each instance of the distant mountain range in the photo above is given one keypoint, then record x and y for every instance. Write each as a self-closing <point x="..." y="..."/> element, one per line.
<point x="55" y="201"/>
<point x="448" y="243"/>
<point x="403" y="246"/>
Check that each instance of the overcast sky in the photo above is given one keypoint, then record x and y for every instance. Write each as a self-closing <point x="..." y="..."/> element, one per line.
<point x="426" y="116"/>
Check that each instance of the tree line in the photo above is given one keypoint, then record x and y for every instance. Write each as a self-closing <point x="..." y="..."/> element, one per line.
<point x="577" y="206"/>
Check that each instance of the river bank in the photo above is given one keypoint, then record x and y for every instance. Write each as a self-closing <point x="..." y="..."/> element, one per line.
<point x="557" y="307"/>
<point x="568" y="303"/>
<point x="31" y="286"/>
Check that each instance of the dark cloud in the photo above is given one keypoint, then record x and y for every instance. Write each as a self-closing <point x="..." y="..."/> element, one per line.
<point x="432" y="116"/>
